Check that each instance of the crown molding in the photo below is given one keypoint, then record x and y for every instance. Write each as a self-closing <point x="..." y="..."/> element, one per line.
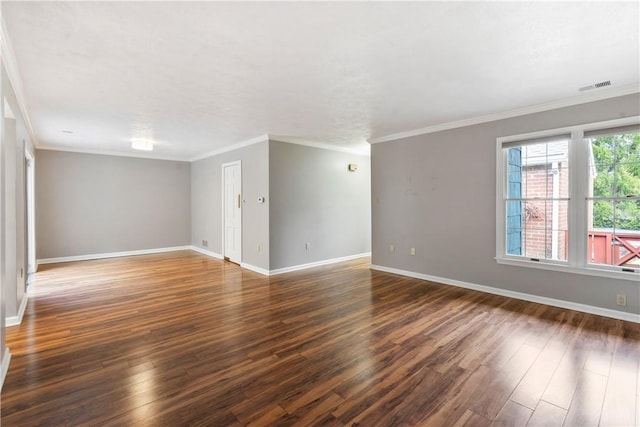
<point x="248" y="142"/>
<point x="141" y="155"/>
<point x="537" y="108"/>
<point x="266" y="137"/>
<point x="9" y="61"/>
<point x="322" y="146"/>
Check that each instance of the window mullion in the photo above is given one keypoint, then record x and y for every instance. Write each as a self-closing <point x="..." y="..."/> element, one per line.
<point x="578" y="191"/>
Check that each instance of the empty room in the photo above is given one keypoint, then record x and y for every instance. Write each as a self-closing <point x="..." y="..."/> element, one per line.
<point x="320" y="213"/>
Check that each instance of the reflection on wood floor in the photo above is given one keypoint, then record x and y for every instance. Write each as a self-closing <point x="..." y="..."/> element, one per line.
<point x="182" y="339"/>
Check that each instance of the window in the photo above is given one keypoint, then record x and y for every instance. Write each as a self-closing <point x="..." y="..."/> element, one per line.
<point x="537" y="198"/>
<point x="570" y="198"/>
<point x="614" y="198"/>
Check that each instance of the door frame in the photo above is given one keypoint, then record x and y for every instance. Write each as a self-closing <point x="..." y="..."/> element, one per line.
<point x="223" y="205"/>
<point x="30" y="214"/>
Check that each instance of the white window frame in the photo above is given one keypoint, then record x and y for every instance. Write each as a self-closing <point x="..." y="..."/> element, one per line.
<point x="577" y="204"/>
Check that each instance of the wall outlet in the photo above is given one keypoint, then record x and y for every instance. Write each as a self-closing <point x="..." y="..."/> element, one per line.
<point x="205" y="243"/>
<point x="412" y="251"/>
<point x="621" y="300"/>
<point x="307" y="246"/>
<point x="392" y="248"/>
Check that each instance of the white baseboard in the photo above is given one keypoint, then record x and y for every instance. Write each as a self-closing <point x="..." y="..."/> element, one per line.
<point x="266" y="272"/>
<point x="615" y="314"/>
<point x="258" y="270"/>
<point x="113" y="254"/>
<point x="206" y="252"/>
<point x="6" y="359"/>
<point x="16" y="320"/>
<point x="216" y="255"/>
<point x="317" y="263"/>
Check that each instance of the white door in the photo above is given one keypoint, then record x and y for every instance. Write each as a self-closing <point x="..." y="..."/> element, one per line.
<point x="232" y="211"/>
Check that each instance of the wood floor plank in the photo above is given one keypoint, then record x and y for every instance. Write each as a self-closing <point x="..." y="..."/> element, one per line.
<point x="491" y="397"/>
<point x="620" y="398"/>
<point x="512" y="414"/>
<point x="547" y="415"/>
<point x="456" y="401"/>
<point x="586" y="406"/>
<point x="183" y="339"/>
<point x="535" y="381"/>
<point x="470" y="419"/>
<point x="564" y="380"/>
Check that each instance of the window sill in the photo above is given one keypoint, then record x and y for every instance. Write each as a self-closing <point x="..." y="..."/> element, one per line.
<point x="565" y="268"/>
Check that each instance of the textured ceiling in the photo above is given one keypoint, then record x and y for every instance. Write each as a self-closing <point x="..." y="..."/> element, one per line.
<point x="197" y="77"/>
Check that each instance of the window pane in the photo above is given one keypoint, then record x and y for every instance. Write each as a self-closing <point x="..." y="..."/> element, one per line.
<point x="514" y="185"/>
<point x="535" y="182"/>
<point x="614" y="232"/>
<point x="627" y="147"/>
<point x="543" y="233"/>
<point x="545" y="170"/>
<point x="563" y="180"/>
<point x="615" y="166"/>
<point x="557" y="229"/>
<point x="601" y="180"/>
<point x="627" y="215"/>
<point x="514" y="228"/>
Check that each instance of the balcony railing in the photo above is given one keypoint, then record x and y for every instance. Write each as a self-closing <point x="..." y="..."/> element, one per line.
<point x="621" y="248"/>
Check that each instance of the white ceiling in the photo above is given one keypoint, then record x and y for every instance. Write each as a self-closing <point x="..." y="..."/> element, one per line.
<point x="197" y="77"/>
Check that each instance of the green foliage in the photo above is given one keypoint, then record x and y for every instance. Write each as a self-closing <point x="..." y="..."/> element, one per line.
<point x="617" y="163"/>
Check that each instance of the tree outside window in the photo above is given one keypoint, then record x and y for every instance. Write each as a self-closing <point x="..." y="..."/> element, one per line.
<point x="614" y="206"/>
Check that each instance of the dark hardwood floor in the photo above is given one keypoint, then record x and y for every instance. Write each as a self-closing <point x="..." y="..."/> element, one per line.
<point x="182" y="339"/>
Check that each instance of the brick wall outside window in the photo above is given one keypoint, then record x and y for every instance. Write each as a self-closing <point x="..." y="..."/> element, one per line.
<point x="538" y="215"/>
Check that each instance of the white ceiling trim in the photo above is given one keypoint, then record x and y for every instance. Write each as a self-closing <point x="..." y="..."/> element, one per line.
<point x="322" y="146"/>
<point x="567" y="102"/>
<point x="9" y="61"/>
<point x="267" y="137"/>
<point x="248" y="142"/>
<point x="150" y="156"/>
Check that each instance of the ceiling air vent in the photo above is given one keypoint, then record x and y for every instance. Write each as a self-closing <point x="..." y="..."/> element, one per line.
<point x="596" y="86"/>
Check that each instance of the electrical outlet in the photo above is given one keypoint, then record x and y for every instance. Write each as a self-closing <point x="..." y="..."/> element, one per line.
<point x="412" y="251"/>
<point x="392" y="248"/>
<point x="205" y="243"/>
<point x="621" y="300"/>
<point x="307" y="246"/>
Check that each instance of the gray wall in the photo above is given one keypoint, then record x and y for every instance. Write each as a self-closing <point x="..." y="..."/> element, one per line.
<point x="4" y="361"/>
<point x="10" y="207"/>
<point x="315" y="199"/>
<point x="436" y="192"/>
<point x="15" y="140"/>
<point x="92" y="204"/>
<point x="206" y="202"/>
